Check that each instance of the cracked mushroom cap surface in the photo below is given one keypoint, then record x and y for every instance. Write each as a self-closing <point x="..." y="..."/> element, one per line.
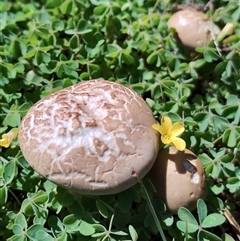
<point x="179" y="178"/>
<point x="193" y="27"/>
<point x="90" y="137"/>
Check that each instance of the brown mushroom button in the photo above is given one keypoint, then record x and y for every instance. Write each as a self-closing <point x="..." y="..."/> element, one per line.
<point x="90" y="137"/>
<point x="194" y="28"/>
<point x="178" y="178"/>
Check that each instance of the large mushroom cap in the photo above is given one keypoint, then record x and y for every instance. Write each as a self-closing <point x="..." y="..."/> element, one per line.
<point x="179" y="178"/>
<point x="90" y="137"/>
<point x="194" y="28"/>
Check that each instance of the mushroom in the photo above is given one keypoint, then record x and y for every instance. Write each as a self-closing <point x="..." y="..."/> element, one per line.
<point x="179" y="178"/>
<point x="91" y="137"/>
<point x="193" y="27"/>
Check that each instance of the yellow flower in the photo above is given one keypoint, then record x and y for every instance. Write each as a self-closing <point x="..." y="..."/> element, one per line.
<point x="9" y="137"/>
<point x="169" y="132"/>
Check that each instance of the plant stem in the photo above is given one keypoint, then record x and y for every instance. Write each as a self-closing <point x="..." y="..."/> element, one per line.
<point x="149" y="203"/>
<point x="15" y="197"/>
<point x="155" y="6"/>
<point x="216" y="140"/>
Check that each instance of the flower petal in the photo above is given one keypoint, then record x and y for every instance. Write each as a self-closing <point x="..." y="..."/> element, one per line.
<point x="9" y="137"/>
<point x="4" y="141"/>
<point x="176" y="129"/>
<point x="158" y="128"/>
<point x="165" y="139"/>
<point x="166" y="124"/>
<point x="179" y="143"/>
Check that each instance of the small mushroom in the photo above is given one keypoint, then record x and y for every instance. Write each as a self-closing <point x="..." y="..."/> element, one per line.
<point x="193" y="27"/>
<point x="179" y="178"/>
<point x="90" y="137"/>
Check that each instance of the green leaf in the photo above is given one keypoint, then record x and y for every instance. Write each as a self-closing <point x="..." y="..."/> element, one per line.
<point x="205" y="235"/>
<point x="17" y="237"/>
<point x="9" y="171"/>
<point x="44" y="236"/>
<point x="214" y="55"/>
<point x="229" y="137"/>
<point x="99" y="228"/>
<point x="233" y="180"/>
<point x="86" y="229"/>
<point x="30" y="53"/>
<point x="217" y="188"/>
<point x="82" y="27"/>
<point x="3" y="7"/>
<point x="23" y="109"/>
<point x="40" y="198"/>
<point x="227" y="237"/>
<point x="233" y="184"/>
<point x="220" y="68"/>
<point x="85" y="76"/>
<point x="71" y="223"/>
<point x="232" y="100"/>
<point x="17" y="48"/>
<point x="66" y="6"/>
<point x="7" y="70"/>
<point x="93" y="67"/>
<point x="76" y="208"/>
<point x="55" y="223"/>
<point x="186" y="227"/>
<point x="220" y="123"/>
<point x="207" y="56"/>
<point x="102" y="208"/>
<point x="193" y="73"/>
<point x="41" y="57"/>
<point x="229" y="111"/>
<point x="52" y="40"/>
<point x="185" y="215"/>
<point x="74" y="42"/>
<point x="127" y="58"/>
<point x="19" y="68"/>
<point x="133" y="233"/>
<point x="21" y="220"/>
<point x="32" y="231"/>
<point x="113" y="51"/>
<point x="13" y="119"/>
<point x="214" y="103"/>
<point x="205" y="159"/>
<point x="202" y="210"/>
<point x="100" y="10"/>
<point x="152" y="58"/>
<point x="124" y="201"/>
<point x="26" y="207"/>
<point x="216" y="170"/>
<point x="213" y="220"/>
<point x="52" y="4"/>
<point x="167" y="219"/>
<point x="134" y="194"/>
<point x="189" y="223"/>
<point x="57" y="25"/>
<point x="17" y="229"/>
<point x="203" y="121"/>
<point x="120" y="233"/>
<point x="3" y="194"/>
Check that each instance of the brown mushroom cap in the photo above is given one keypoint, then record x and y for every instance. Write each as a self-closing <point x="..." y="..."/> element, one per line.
<point x="194" y="28"/>
<point x="178" y="178"/>
<point x="90" y="137"/>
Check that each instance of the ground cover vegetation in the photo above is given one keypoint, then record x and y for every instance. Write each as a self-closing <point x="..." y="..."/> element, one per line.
<point x="48" y="45"/>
